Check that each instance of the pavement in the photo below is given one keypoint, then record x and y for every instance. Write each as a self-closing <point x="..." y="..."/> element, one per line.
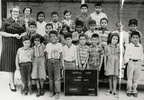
<point x="6" y="94"/>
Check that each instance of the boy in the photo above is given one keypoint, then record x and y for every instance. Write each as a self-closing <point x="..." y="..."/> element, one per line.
<point x="83" y="52"/>
<point x="54" y="60"/>
<point x="69" y="53"/>
<point x="84" y="17"/>
<point x="134" y="57"/>
<point x="56" y="24"/>
<point x="91" y="31"/>
<point x="98" y="15"/>
<point x="79" y="30"/>
<point x="48" y="28"/>
<point x="24" y="58"/>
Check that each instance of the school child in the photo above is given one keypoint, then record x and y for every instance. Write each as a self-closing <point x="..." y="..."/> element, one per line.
<point x="56" y="24"/>
<point x="134" y="57"/>
<point x="112" y="63"/>
<point x="82" y="52"/>
<point x="96" y="52"/>
<point x="38" y="70"/>
<point x="24" y="59"/>
<point x="48" y="28"/>
<point x="84" y="17"/>
<point x="54" y="61"/>
<point x="41" y="23"/>
<point x="67" y="20"/>
<point x="32" y="27"/>
<point x="65" y="29"/>
<point x="91" y="31"/>
<point x="69" y="53"/>
<point x="98" y="14"/>
<point x="79" y="30"/>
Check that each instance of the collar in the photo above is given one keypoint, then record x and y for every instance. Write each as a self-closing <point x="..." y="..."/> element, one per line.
<point x="137" y="45"/>
<point x="81" y="15"/>
<point x="26" y="49"/>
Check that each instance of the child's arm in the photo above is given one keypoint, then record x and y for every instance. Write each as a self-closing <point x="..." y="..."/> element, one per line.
<point x="17" y="61"/>
<point x="61" y="60"/>
<point x="78" y="57"/>
<point x="84" y="66"/>
<point x="101" y="60"/>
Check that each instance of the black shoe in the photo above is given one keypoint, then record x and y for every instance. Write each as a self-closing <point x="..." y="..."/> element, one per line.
<point x="42" y="92"/>
<point x="13" y="90"/>
<point x="135" y="95"/>
<point x="129" y="94"/>
<point x="38" y="93"/>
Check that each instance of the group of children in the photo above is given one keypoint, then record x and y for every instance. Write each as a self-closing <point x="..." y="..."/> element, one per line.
<point x="83" y="44"/>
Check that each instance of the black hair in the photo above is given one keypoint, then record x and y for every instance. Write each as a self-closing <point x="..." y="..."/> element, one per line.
<point x="67" y="11"/>
<point x="68" y="35"/>
<point x="49" y="24"/>
<point x="79" y="23"/>
<point x="92" y="22"/>
<point x="37" y="36"/>
<point x="32" y="23"/>
<point x="53" y="32"/>
<point x="111" y="36"/>
<point x="65" y="26"/>
<point x="104" y="19"/>
<point x="25" y="38"/>
<point x="82" y="35"/>
<point x="27" y="8"/>
<point x="95" y="36"/>
<point x="84" y="5"/>
<point x="54" y="13"/>
<point x="135" y="33"/>
<point x="98" y="4"/>
<point x="40" y="12"/>
<point x="133" y="21"/>
<point x="119" y="22"/>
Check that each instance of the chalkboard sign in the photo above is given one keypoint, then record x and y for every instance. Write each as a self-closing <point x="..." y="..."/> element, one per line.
<point x="78" y="82"/>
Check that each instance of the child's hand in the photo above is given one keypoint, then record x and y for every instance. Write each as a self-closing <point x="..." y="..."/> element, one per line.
<point x="18" y="68"/>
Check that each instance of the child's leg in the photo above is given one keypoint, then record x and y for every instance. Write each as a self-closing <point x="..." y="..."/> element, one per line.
<point x="29" y="77"/>
<point x="110" y="82"/>
<point x="42" y="85"/>
<point x="114" y="83"/>
<point x="38" y="87"/>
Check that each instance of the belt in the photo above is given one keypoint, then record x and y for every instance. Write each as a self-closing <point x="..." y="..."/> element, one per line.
<point x="53" y="59"/>
<point x="70" y="61"/>
<point x="135" y="60"/>
<point x="25" y="62"/>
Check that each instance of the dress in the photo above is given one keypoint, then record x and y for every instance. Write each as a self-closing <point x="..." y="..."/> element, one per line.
<point x="10" y="44"/>
<point x="112" y="66"/>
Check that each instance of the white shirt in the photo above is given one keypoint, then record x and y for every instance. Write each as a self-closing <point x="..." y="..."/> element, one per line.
<point x="41" y="28"/>
<point x="54" y="50"/>
<point x="98" y="17"/>
<point x="70" y="54"/>
<point x="56" y="26"/>
<point x="133" y="52"/>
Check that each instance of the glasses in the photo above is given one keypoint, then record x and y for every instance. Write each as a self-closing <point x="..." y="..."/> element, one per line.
<point x="15" y="11"/>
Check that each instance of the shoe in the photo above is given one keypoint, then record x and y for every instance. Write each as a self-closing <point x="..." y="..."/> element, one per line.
<point x="135" y="95"/>
<point x="42" y="92"/>
<point x="24" y="94"/>
<point x="38" y="93"/>
<point x="115" y="94"/>
<point x="13" y="90"/>
<point x="51" y="94"/>
<point x="129" y="94"/>
<point x="109" y="92"/>
<point x="57" y="96"/>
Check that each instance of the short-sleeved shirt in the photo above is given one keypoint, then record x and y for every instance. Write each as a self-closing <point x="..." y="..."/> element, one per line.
<point x="25" y="55"/>
<point x="39" y="50"/>
<point x="54" y="50"/>
<point x="41" y="28"/>
<point x="95" y="55"/>
<point x="56" y="26"/>
<point x="83" y="53"/>
<point x="69" y="23"/>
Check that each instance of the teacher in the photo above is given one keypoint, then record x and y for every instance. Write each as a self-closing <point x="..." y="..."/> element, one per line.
<point x="10" y="45"/>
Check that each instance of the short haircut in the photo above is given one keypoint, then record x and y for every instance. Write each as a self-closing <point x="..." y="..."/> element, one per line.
<point x="84" y="5"/>
<point x="95" y="36"/>
<point x="68" y="35"/>
<point x="133" y="21"/>
<point x="27" y="8"/>
<point x="111" y="36"/>
<point x="65" y="26"/>
<point x="67" y="11"/>
<point x="37" y="36"/>
<point x="32" y="23"/>
<point x="118" y="22"/>
<point x="104" y="19"/>
<point x="40" y="12"/>
<point x="25" y="38"/>
<point x="54" y="13"/>
<point x="98" y="4"/>
<point x="49" y="24"/>
<point x="135" y="33"/>
<point x="79" y="23"/>
<point x="53" y="32"/>
<point x="82" y="35"/>
<point x="92" y="22"/>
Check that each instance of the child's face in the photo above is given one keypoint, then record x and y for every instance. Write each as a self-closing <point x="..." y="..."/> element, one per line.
<point x="36" y="41"/>
<point x="26" y="44"/>
<point x="48" y="29"/>
<point x="84" y="10"/>
<point x="67" y="15"/>
<point x="92" y="27"/>
<point x="82" y="40"/>
<point x="32" y="28"/>
<point x="133" y="27"/>
<point x="68" y="40"/>
<point x="104" y="24"/>
<point x="41" y="17"/>
<point x="64" y="30"/>
<point x="55" y="17"/>
<point x="114" y="40"/>
<point x="53" y="38"/>
<point x="27" y="11"/>
<point x="79" y="28"/>
<point x="119" y="26"/>
<point x="135" y="39"/>
<point x="98" y="9"/>
<point x="94" y="40"/>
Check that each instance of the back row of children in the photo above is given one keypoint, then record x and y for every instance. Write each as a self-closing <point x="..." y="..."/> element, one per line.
<point x="87" y="45"/>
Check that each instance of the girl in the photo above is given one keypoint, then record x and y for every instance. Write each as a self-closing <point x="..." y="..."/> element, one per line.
<point x="67" y="21"/>
<point x="38" y="71"/>
<point x="65" y="29"/>
<point x="41" y="23"/>
<point x="112" y="63"/>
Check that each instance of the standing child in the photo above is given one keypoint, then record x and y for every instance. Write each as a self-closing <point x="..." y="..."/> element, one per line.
<point x="98" y="14"/>
<point x="38" y="70"/>
<point x="41" y="23"/>
<point x="69" y="53"/>
<point x="32" y="27"/>
<point x="112" y="63"/>
<point x="54" y="61"/>
<point x="82" y="52"/>
<point x="24" y="58"/>
<point x="133" y="56"/>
